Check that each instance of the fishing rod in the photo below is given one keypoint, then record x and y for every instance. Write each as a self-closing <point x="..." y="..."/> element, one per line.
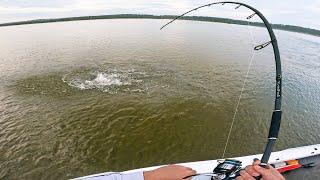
<point x="276" y="115"/>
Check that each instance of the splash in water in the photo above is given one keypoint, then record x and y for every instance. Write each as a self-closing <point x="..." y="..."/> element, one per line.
<point x="107" y="81"/>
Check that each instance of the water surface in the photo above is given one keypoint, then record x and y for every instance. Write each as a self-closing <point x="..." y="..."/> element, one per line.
<point x="78" y="98"/>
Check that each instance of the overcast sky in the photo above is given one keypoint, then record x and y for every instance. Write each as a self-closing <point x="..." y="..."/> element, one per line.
<point x="294" y="12"/>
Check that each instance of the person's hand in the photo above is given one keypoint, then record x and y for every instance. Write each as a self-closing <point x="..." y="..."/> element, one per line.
<point x="171" y="172"/>
<point x="254" y="170"/>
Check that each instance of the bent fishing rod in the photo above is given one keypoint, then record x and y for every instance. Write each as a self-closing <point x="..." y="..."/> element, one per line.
<point x="276" y="115"/>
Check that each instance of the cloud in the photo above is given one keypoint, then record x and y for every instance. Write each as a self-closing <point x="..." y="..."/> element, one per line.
<point x="18" y="10"/>
<point x="80" y="5"/>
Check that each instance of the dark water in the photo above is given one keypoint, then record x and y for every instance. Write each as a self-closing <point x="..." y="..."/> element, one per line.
<point x="79" y="98"/>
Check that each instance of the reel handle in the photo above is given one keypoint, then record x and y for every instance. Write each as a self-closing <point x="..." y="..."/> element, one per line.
<point x="258" y="177"/>
<point x="261" y="165"/>
<point x="264" y="166"/>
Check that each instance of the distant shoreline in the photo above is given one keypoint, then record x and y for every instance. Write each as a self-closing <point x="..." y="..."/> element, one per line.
<point x="290" y="28"/>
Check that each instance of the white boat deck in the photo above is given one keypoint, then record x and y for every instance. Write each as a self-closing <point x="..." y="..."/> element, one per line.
<point x="276" y="157"/>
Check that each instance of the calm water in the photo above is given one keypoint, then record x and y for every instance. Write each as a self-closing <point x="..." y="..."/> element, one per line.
<point x="78" y="98"/>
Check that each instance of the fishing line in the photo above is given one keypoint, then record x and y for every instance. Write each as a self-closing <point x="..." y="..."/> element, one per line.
<point x="241" y="92"/>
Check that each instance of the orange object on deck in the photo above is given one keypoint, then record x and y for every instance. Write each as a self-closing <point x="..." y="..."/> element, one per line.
<point x="291" y="165"/>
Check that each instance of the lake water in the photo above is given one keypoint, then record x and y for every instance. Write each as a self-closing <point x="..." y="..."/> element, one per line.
<point x="78" y="98"/>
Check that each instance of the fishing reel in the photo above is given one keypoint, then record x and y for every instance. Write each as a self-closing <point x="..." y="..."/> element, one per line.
<point x="227" y="169"/>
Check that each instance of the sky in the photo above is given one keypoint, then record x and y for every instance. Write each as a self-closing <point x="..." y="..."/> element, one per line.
<point x="304" y="13"/>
